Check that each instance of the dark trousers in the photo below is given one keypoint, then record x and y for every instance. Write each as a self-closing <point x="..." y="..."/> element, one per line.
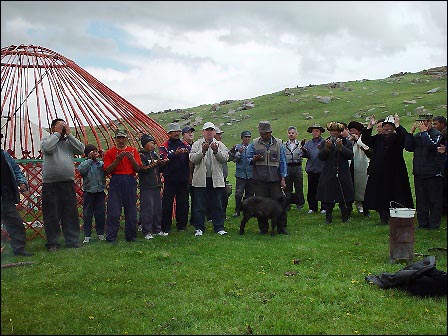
<point x="150" y="210"/>
<point x="243" y="189"/>
<point x="60" y="209"/>
<point x="13" y="223"/>
<point x="313" y="182"/>
<point x="294" y="183"/>
<point x="122" y="194"/>
<point x="94" y="206"/>
<point x="271" y="190"/>
<point x="191" y="192"/>
<point x="180" y="191"/>
<point x="444" y="192"/>
<point x="428" y="199"/>
<point x="209" y="200"/>
<point x="344" y="207"/>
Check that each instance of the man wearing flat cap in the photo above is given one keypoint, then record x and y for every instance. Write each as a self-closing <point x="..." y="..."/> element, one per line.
<point x="176" y="174"/>
<point x="243" y="171"/>
<point x="122" y="162"/>
<point x="267" y="156"/>
<point x="427" y="166"/>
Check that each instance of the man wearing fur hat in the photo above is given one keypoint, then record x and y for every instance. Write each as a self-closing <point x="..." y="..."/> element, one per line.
<point x="94" y="197"/>
<point x="267" y="156"/>
<point x="335" y="182"/>
<point x="427" y="170"/>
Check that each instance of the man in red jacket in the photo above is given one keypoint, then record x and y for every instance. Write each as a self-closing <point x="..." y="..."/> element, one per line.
<point x="122" y="162"/>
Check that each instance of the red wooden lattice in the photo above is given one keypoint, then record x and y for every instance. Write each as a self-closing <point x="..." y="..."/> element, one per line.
<point x="39" y="85"/>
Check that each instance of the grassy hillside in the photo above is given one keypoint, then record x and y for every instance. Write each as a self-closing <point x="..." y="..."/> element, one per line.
<point x="355" y="100"/>
<point x="310" y="282"/>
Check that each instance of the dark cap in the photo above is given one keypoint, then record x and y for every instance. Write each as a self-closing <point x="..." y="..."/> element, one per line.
<point x="264" y="126"/>
<point x="425" y="116"/>
<point x="121" y="133"/>
<point x="145" y="139"/>
<point x="88" y="149"/>
<point x="356" y="125"/>
<point x="245" y="134"/>
<point x="187" y="129"/>
<point x="315" y="126"/>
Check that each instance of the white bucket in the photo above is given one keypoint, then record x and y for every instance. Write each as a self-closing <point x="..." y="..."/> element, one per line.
<point x="402" y="212"/>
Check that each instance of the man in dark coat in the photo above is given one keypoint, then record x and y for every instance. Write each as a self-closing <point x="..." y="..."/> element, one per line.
<point x="388" y="176"/>
<point x="427" y="169"/>
<point x="335" y="182"/>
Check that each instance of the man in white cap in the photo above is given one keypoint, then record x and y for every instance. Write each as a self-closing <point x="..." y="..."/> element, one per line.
<point x="225" y="170"/>
<point x="268" y="159"/>
<point x="208" y="156"/>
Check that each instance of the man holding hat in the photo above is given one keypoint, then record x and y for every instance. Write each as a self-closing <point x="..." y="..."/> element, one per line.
<point x="313" y="166"/>
<point x="122" y="162"/>
<point x="176" y="175"/>
<point x="267" y="156"/>
<point x="243" y="171"/>
<point x="94" y="197"/>
<point x="208" y="155"/>
<point x="427" y="169"/>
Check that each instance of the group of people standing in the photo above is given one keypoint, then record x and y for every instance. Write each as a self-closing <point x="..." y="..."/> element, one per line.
<point x="350" y="167"/>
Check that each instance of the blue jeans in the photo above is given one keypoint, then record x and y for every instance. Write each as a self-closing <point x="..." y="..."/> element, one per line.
<point x="94" y="206"/>
<point x="212" y="198"/>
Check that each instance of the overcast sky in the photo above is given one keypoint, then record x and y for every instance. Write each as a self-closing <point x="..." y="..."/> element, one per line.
<point x="167" y="55"/>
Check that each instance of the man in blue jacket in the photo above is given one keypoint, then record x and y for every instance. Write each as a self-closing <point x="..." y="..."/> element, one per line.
<point x="13" y="180"/>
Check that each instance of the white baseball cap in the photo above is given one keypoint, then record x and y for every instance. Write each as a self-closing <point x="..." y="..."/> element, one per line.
<point x="208" y="124"/>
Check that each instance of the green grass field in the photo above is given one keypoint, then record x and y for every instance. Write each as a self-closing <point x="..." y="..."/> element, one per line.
<point x="240" y="285"/>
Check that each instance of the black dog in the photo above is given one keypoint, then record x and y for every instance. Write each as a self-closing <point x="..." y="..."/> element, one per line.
<point x="263" y="209"/>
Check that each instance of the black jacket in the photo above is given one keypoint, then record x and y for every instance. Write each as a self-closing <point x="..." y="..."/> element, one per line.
<point x="427" y="161"/>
